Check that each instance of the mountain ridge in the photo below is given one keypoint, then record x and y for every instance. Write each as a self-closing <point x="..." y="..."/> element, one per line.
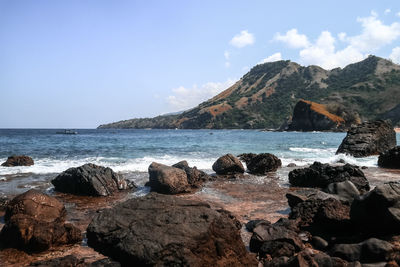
<point x="266" y="95"/>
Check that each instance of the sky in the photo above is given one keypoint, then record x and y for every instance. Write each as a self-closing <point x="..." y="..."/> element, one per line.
<point x="79" y="64"/>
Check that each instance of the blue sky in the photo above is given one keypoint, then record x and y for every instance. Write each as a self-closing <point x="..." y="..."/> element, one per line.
<point x="78" y="64"/>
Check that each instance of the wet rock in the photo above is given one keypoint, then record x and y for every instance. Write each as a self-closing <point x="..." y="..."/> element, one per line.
<point x="66" y="261"/>
<point x="390" y="158"/>
<point x="321" y="175"/>
<point x="319" y="243"/>
<point x="346" y="190"/>
<point x="252" y="224"/>
<point x="368" y="138"/>
<point x="167" y="180"/>
<point x="263" y="163"/>
<point x="290" y="165"/>
<point x="276" y="240"/>
<point x="247" y="157"/>
<point x="90" y="180"/>
<point x="106" y="262"/>
<point x="228" y="164"/>
<point x="35" y="222"/>
<point x="378" y="211"/>
<point x="20" y="160"/>
<point x="370" y="250"/>
<point x="195" y="177"/>
<point x="161" y="230"/>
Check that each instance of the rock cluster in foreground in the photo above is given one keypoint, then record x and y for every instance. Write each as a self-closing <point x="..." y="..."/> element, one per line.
<point x="35" y="222"/>
<point x="160" y="230"/>
<point x="368" y="138"/>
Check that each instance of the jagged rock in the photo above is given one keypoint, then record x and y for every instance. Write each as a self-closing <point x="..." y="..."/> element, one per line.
<point x="20" y="160"/>
<point x="390" y="158"/>
<point x="159" y="230"/>
<point x="195" y="177"/>
<point x="368" y="138"/>
<point x="253" y="223"/>
<point x="228" y="164"/>
<point x="370" y="250"/>
<point x="321" y="175"/>
<point x="90" y="180"/>
<point x="345" y="190"/>
<point x="263" y="163"/>
<point x="167" y="180"/>
<point x="246" y="157"/>
<point x="307" y="259"/>
<point x="379" y="210"/>
<point x="35" y="222"/>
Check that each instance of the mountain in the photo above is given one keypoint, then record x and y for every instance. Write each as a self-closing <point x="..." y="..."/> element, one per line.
<point x="266" y="95"/>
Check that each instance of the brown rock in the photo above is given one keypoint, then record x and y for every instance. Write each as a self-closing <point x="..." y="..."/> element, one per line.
<point x="21" y="160"/>
<point x="228" y="164"/>
<point x="167" y="180"/>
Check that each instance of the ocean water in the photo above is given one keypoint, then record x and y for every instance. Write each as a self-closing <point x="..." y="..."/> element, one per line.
<point x="132" y="151"/>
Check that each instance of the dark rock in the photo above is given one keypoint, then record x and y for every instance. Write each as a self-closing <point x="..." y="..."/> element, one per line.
<point x="161" y="230"/>
<point x="370" y="250"/>
<point x="66" y="261"/>
<point x="346" y="190"/>
<point x="290" y="165"/>
<point x="378" y="211"/>
<point x="4" y="200"/>
<point x="307" y="259"/>
<point x="21" y="160"/>
<point x="319" y="243"/>
<point x="252" y="224"/>
<point x="106" y="262"/>
<point x="90" y="180"/>
<point x="167" y="180"/>
<point x="311" y="116"/>
<point x="263" y="163"/>
<point x="276" y="240"/>
<point x="321" y="175"/>
<point x="294" y="199"/>
<point x="247" y="157"/>
<point x="390" y="158"/>
<point x="228" y="164"/>
<point x="368" y="138"/>
<point x="35" y="222"/>
<point x="195" y="177"/>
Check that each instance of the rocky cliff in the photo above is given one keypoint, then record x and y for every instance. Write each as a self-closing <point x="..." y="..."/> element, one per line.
<point x="266" y="95"/>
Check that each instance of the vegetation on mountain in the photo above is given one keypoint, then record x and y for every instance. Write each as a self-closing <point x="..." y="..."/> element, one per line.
<point x="266" y="95"/>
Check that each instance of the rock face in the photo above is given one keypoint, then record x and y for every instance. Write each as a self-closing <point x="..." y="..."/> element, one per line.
<point x="311" y="116"/>
<point x="390" y="158"/>
<point x="379" y="210"/>
<point x="35" y="222"/>
<point x="90" y="180"/>
<point x="160" y="230"/>
<point x="167" y="180"/>
<point x="263" y="163"/>
<point x="21" y="160"/>
<point x="368" y="138"/>
<point x="228" y="164"/>
<point x="321" y="175"/>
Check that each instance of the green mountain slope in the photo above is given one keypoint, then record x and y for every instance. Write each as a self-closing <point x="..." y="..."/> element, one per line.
<point x="266" y="95"/>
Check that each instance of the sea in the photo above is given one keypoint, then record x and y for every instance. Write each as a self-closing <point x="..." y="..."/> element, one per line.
<point x="131" y="151"/>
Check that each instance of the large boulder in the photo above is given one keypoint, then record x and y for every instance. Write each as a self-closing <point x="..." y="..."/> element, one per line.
<point x="311" y="116"/>
<point x="195" y="177"/>
<point x="20" y="160"/>
<point x="321" y="175"/>
<point x="167" y="180"/>
<point x="368" y="138"/>
<point x="90" y="180"/>
<point x="390" y="158"/>
<point x="263" y="163"/>
<point x="379" y="210"/>
<point x="35" y="222"/>
<point x="228" y="164"/>
<point x="246" y="157"/>
<point x="164" y="230"/>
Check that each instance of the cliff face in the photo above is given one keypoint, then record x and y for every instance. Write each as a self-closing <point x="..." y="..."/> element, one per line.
<point x="266" y="95"/>
<point x="311" y="116"/>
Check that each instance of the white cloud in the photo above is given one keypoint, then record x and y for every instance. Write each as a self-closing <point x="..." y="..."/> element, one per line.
<point x="271" y="58"/>
<point x="324" y="51"/>
<point x="387" y="10"/>
<point x="398" y="14"/>
<point x="293" y="39"/>
<point x="395" y="55"/>
<point x="242" y="39"/>
<point x="185" y="98"/>
<point x="226" y="55"/>
<point x="227" y="64"/>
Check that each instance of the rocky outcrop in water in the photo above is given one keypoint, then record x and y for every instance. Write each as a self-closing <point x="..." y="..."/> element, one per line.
<point x="390" y="158"/>
<point x="368" y="138"/>
<point x="310" y="116"/>
<point x="35" y="222"/>
<point x="20" y="160"/>
<point x="263" y="163"/>
<point x="228" y="164"/>
<point x="160" y="230"/>
<point x="321" y="175"/>
<point x="90" y="180"/>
